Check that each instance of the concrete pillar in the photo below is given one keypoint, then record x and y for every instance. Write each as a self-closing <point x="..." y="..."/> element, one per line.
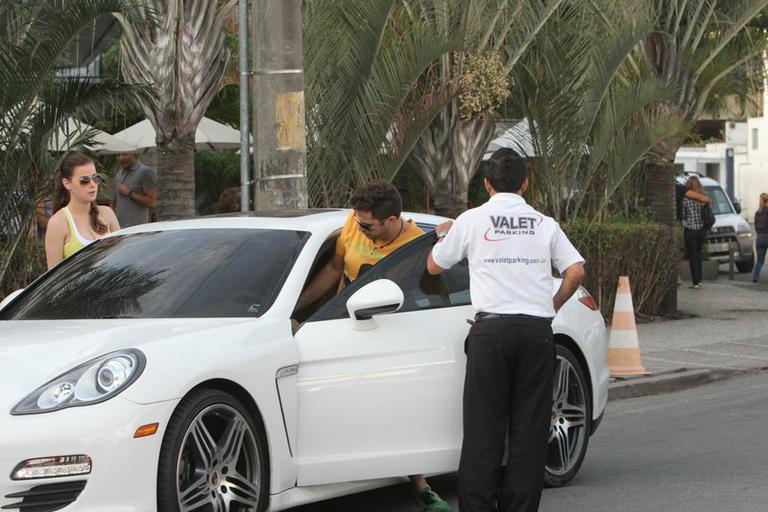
<point x="279" y="152"/>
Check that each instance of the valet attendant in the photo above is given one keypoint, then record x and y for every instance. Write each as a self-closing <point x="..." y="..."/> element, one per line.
<point x="510" y="349"/>
<point x="77" y="220"/>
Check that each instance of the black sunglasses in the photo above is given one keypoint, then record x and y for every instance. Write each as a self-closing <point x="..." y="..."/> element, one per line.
<point x="366" y="226"/>
<point x="84" y="180"/>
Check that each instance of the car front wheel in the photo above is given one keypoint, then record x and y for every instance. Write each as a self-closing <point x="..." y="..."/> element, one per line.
<point x="212" y="458"/>
<point x="746" y="265"/>
<point x="571" y="416"/>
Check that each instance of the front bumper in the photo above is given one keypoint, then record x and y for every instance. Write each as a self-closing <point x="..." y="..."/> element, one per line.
<point x="718" y="247"/>
<point x="124" y="469"/>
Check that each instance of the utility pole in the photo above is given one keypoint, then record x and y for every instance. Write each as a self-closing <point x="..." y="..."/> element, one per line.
<point x="279" y="152"/>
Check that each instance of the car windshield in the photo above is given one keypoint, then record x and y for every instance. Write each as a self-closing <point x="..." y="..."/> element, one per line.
<point x="190" y="273"/>
<point x="720" y="204"/>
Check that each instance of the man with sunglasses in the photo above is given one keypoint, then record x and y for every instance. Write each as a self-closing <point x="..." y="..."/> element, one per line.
<point x="375" y="228"/>
<point x="135" y="191"/>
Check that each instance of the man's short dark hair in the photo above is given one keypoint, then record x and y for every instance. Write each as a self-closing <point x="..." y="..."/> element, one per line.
<point x="506" y="171"/>
<point x="381" y="198"/>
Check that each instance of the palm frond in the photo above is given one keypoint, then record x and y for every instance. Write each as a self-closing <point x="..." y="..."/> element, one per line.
<point x="35" y="103"/>
<point x="363" y="61"/>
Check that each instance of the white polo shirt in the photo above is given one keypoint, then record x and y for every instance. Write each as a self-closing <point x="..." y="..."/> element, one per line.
<point x="511" y="250"/>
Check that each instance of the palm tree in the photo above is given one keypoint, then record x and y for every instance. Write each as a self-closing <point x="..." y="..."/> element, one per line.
<point x="592" y="110"/>
<point x="183" y="57"/>
<point x="34" y="103"/>
<point x="696" y="46"/>
<point x="496" y="33"/>
<point x="363" y="60"/>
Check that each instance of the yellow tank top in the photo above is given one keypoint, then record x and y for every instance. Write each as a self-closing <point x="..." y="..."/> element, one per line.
<point x="76" y="240"/>
<point x="360" y="253"/>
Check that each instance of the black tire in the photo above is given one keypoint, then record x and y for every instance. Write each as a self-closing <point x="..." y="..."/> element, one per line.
<point x="229" y="473"/>
<point x="746" y="266"/>
<point x="571" y="420"/>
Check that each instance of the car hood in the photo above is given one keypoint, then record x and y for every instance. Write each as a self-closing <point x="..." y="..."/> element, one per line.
<point x="32" y="352"/>
<point x="733" y="220"/>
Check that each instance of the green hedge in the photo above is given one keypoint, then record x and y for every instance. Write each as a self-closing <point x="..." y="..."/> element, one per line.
<point x="644" y="251"/>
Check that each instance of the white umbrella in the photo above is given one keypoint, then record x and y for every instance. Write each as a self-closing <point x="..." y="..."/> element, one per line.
<point x="102" y="142"/>
<point x="72" y="132"/>
<point x="520" y="139"/>
<point x="209" y="135"/>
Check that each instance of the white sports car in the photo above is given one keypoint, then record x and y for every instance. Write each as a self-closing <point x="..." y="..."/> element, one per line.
<point x="164" y="368"/>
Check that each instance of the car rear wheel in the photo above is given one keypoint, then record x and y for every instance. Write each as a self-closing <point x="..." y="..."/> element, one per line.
<point x="571" y="416"/>
<point x="212" y="458"/>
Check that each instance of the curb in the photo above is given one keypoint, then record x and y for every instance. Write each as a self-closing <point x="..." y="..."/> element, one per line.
<point x="677" y="380"/>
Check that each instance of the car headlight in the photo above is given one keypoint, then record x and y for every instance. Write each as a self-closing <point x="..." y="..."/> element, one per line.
<point x="92" y="382"/>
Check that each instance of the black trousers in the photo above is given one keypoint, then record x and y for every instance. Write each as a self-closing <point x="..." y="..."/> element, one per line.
<point x="694" y="242"/>
<point x="508" y="390"/>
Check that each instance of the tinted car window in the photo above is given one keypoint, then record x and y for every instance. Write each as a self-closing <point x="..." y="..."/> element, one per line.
<point x="720" y="203"/>
<point x="166" y="274"/>
<point x="407" y="268"/>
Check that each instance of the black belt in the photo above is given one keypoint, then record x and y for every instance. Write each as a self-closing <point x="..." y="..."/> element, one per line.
<point x="487" y="316"/>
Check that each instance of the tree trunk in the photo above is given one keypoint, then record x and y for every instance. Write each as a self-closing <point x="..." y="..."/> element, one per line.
<point x="447" y="158"/>
<point x="470" y="138"/>
<point x="176" y="179"/>
<point x="449" y="205"/>
<point x="660" y="198"/>
<point x="431" y="159"/>
<point x="660" y="192"/>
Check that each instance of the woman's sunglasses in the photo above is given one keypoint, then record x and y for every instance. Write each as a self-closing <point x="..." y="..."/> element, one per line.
<point x="84" y="180"/>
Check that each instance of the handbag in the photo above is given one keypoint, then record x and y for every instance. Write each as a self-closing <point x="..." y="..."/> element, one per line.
<point x="708" y="217"/>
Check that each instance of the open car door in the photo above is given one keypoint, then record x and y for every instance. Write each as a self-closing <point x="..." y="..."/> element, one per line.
<point x="380" y="395"/>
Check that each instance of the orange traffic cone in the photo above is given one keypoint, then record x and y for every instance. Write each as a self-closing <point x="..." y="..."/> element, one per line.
<point x="623" y="346"/>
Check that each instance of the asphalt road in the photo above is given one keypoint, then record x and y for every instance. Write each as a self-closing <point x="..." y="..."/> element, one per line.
<point x="699" y="450"/>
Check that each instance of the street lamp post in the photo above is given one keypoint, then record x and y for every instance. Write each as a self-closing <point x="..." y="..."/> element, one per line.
<point x="245" y="150"/>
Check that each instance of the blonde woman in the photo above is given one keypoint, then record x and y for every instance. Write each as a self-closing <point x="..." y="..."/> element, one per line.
<point x="77" y="220"/>
<point x="695" y="233"/>
<point x="761" y="228"/>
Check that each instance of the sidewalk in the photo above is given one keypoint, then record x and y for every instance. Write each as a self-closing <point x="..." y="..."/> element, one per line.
<point x="728" y="334"/>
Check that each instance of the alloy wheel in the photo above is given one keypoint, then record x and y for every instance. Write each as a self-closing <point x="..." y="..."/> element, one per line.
<point x="218" y="468"/>
<point x="569" y="432"/>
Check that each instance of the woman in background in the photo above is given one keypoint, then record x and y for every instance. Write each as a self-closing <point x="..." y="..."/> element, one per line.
<point x="693" y="226"/>
<point x="761" y="228"/>
<point x="77" y="220"/>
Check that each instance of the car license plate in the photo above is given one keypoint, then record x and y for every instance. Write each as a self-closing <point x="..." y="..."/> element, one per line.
<point x="713" y="248"/>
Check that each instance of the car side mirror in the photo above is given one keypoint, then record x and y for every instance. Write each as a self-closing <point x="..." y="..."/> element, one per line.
<point x="377" y="298"/>
<point x="8" y="298"/>
<point x="737" y="206"/>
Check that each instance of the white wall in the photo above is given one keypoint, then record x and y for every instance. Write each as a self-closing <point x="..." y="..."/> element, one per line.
<point x="736" y="133"/>
<point x="750" y="163"/>
<point x="695" y="159"/>
<point x="752" y="171"/>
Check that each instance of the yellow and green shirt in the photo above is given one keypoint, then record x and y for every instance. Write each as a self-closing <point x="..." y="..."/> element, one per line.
<point x="360" y="253"/>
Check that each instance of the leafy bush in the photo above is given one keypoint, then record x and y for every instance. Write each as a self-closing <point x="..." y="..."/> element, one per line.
<point x="25" y="263"/>
<point x="642" y="250"/>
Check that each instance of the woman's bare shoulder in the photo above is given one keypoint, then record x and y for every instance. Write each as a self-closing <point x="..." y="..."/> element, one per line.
<point x="106" y="211"/>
